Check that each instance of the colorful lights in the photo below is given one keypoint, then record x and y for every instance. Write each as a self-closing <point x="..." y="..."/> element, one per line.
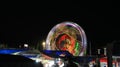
<point x="67" y="36"/>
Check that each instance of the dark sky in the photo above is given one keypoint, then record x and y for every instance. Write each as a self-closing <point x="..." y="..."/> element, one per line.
<point x="100" y="25"/>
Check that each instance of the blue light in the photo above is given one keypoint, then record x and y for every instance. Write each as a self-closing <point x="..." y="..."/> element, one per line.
<point x="10" y="51"/>
<point x="56" y="53"/>
<point x="47" y="51"/>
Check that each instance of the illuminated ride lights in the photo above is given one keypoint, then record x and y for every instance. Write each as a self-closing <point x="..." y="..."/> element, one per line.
<point x="67" y="36"/>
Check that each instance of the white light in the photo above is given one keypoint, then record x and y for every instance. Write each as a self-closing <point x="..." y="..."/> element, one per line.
<point x="38" y="60"/>
<point x="25" y="45"/>
<point x="43" y="43"/>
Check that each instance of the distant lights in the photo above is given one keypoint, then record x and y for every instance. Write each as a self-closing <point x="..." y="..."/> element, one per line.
<point x="43" y="44"/>
<point x="26" y="45"/>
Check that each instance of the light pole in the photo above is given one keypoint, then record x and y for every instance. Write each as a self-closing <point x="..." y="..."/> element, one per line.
<point x="105" y="52"/>
<point x="99" y="51"/>
<point x="109" y="54"/>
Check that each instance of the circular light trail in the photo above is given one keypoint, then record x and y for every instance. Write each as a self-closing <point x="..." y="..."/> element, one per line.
<point x="67" y="36"/>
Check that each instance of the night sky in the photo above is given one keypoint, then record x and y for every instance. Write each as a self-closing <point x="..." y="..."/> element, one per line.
<point x="100" y="25"/>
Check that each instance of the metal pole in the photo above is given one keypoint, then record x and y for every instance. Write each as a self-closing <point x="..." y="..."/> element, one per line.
<point x="90" y="49"/>
<point x="109" y="54"/>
